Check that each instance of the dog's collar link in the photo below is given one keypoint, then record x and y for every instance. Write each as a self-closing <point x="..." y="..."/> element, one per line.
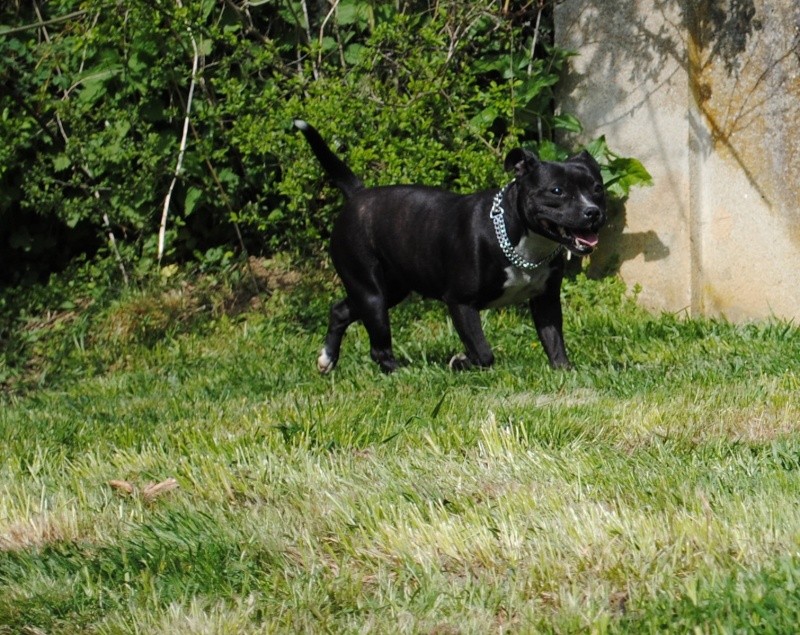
<point x="519" y="261"/>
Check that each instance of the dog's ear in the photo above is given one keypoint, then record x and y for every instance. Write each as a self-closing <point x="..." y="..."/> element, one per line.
<point x="520" y="160"/>
<point x="586" y="158"/>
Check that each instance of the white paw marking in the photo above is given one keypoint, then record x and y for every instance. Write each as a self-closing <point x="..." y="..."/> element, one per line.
<point x="324" y="363"/>
<point x="459" y="362"/>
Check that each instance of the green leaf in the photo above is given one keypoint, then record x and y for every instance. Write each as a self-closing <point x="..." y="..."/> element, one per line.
<point x="354" y="53"/>
<point x="532" y="86"/>
<point x="484" y="118"/>
<point x="139" y="61"/>
<point x="61" y="162"/>
<point x="567" y="122"/>
<point x="205" y="46"/>
<point x="353" y="12"/>
<point x="620" y="174"/>
<point x="94" y="83"/>
<point x="598" y="149"/>
<point x="292" y="12"/>
<point x="229" y="178"/>
<point x="634" y="173"/>
<point x="208" y="7"/>
<point x="328" y="44"/>
<point x="625" y="173"/>
<point x="549" y="151"/>
<point x="490" y="63"/>
<point x="193" y="195"/>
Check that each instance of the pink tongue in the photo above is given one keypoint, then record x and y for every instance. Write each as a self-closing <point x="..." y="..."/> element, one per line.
<point x="588" y="239"/>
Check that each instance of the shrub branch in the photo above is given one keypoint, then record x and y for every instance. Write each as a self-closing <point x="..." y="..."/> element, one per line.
<point x="162" y="231"/>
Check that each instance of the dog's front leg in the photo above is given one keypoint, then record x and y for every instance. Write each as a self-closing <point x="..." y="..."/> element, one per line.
<point x="548" y="319"/>
<point x="467" y="321"/>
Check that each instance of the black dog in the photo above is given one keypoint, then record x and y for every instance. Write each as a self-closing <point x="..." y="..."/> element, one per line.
<point x="472" y="251"/>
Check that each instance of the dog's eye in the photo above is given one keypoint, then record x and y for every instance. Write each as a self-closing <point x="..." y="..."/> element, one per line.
<point x="557" y="191"/>
<point x="598" y="188"/>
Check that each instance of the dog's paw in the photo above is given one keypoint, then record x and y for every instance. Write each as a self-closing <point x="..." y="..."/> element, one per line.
<point x="388" y="366"/>
<point x="325" y="363"/>
<point x="460" y="362"/>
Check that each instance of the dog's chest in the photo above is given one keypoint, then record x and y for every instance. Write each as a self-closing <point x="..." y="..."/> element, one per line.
<point x="520" y="285"/>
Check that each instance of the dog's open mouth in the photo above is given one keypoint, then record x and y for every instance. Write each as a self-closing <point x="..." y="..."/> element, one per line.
<point x="579" y="241"/>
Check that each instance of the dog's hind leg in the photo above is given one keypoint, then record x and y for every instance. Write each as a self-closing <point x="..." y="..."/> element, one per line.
<point x="370" y="295"/>
<point x="341" y="316"/>
<point x="468" y="326"/>
<point x="375" y="315"/>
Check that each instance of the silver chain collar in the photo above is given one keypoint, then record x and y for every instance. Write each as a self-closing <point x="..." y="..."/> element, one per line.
<point x="519" y="261"/>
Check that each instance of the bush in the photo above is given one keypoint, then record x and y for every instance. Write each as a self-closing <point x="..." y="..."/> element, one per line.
<point x="98" y="96"/>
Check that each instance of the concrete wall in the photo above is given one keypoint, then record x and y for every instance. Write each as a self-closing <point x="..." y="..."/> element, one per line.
<point x="707" y="94"/>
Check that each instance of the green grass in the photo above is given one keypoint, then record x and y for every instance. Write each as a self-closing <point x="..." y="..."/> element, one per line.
<point x="654" y="488"/>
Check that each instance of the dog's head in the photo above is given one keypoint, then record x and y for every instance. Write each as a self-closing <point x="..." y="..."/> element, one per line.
<point x="564" y="202"/>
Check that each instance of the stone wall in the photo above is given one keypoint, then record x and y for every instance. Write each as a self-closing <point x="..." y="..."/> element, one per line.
<point x="707" y="94"/>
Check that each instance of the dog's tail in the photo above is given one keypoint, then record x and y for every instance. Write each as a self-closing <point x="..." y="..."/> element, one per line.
<point x="337" y="170"/>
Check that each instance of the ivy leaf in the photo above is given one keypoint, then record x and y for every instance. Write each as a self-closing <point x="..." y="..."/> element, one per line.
<point x="598" y="149"/>
<point x="626" y="173"/>
<point x="620" y="174"/>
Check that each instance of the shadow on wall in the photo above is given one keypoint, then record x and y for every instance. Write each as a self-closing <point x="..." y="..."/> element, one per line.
<point x="742" y="61"/>
<point x="627" y="245"/>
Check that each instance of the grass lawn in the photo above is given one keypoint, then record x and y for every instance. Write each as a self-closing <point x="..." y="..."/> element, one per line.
<point x="654" y="488"/>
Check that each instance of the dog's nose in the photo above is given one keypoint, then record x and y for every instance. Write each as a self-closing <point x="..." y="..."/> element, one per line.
<point x="592" y="214"/>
